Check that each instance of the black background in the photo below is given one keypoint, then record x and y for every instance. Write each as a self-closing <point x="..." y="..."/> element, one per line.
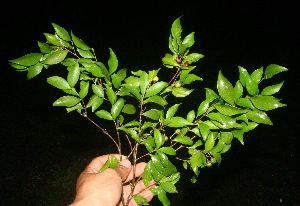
<point x="38" y="140"/>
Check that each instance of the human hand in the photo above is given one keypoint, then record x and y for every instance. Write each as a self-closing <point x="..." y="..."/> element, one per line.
<point x="106" y="188"/>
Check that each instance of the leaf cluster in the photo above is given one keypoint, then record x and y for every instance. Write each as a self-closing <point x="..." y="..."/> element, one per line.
<point x="139" y="104"/>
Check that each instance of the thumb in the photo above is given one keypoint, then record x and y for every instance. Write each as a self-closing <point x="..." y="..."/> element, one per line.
<point x="123" y="169"/>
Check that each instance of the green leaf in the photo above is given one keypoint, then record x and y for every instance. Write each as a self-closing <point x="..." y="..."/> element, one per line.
<point x="112" y="97"/>
<point x="76" y="107"/>
<point x="183" y="140"/>
<point x="155" y="89"/>
<point x="203" y="107"/>
<point x="259" y="117"/>
<point x="73" y="74"/>
<point x="167" y="150"/>
<point x="44" y="48"/>
<point x="238" y="90"/>
<point x="270" y="90"/>
<point x="156" y="99"/>
<point x="152" y="114"/>
<point x="117" y="78"/>
<point x="94" y="102"/>
<point x="251" y="86"/>
<point x="177" y="122"/>
<point x="225" y="89"/>
<point x="243" y="74"/>
<point x="98" y="90"/>
<point x="210" y="95"/>
<point x="226" y="137"/>
<point x="171" y="111"/>
<point x="104" y="114"/>
<point x="210" y="141"/>
<point x="189" y="41"/>
<point x="28" y="59"/>
<point x="176" y="29"/>
<point x="266" y="103"/>
<point x="147" y="176"/>
<point x="53" y="39"/>
<point x="79" y="43"/>
<point x="134" y="135"/>
<point x="273" y="69"/>
<point x="61" y="32"/>
<point x="244" y="102"/>
<point x="169" y="61"/>
<point x="257" y="75"/>
<point x="140" y="200"/>
<point x="58" y="82"/>
<point x="191" y="78"/>
<point x="129" y="109"/>
<point x="229" y="110"/>
<point x="191" y="116"/>
<point x="193" y="57"/>
<point x="162" y="196"/>
<point x="159" y="138"/>
<point x="169" y="187"/>
<point x="117" y="108"/>
<point x="67" y="101"/>
<point x="112" y="62"/>
<point x="84" y="88"/>
<point x="85" y="53"/>
<point x="181" y="92"/>
<point x="34" y="70"/>
<point x="56" y="57"/>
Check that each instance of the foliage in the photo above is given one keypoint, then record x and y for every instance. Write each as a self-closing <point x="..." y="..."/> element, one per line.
<point x="139" y="105"/>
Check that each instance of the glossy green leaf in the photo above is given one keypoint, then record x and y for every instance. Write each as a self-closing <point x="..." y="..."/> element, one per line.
<point x="251" y="86"/>
<point x="152" y="114"/>
<point x="140" y="200"/>
<point x="84" y="88"/>
<point x="118" y="77"/>
<point x="117" y="108"/>
<point x="181" y="91"/>
<point x="28" y="59"/>
<point x="58" y="82"/>
<point x="210" y="95"/>
<point x="71" y="91"/>
<point x="147" y="176"/>
<point x="34" y="70"/>
<point x="189" y="41"/>
<point x="67" y="101"/>
<point x="191" y="78"/>
<point x="259" y="117"/>
<point x="56" y="57"/>
<point x="203" y="107"/>
<point x="53" y="39"/>
<point x="169" y="187"/>
<point x="191" y="116"/>
<point x="193" y="57"/>
<point x="226" y="137"/>
<point x="79" y="43"/>
<point x="73" y="75"/>
<point x="112" y="97"/>
<point x="112" y="62"/>
<point x="61" y="32"/>
<point x="229" y="110"/>
<point x="222" y="121"/>
<point x="273" y="69"/>
<point x="225" y="89"/>
<point x="245" y="102"/>
<point x="104" y="114"/>
<point x="69" y="62"/>
<point x="76" y="107"/>
<point x="169" y="61"/>
<point x="85" y="53"/>
<point x="270" y="90"/>
<point x="98" y="90"/>
<point x="177" y="122"/>
<point x="156" y="99"/>
<point x="44" y="48"/>
<point x="257" y="75"/>
<point x="243" y="74"/>
<point x="162" y="196"/>
<point x="169" y="167"/>
<point x="238" y="90"/>
<point x="155" y="89"/>
<point x="94" y="102"/>
<point x="210" y="141"/>
<point x="171" y="111"/>
<point x="159" y="138"/>
<point x="266" y="103"/>
<point x="167" y="150"/>
<point x="129" y="109"/>
<point x="183" y="140"/>
<point x="176" y="28"/>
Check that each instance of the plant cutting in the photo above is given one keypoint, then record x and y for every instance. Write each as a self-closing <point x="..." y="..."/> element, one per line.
<point x="144" y="107"/>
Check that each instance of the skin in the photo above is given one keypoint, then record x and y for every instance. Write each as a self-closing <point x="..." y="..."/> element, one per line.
<point x="106" y="188"/>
